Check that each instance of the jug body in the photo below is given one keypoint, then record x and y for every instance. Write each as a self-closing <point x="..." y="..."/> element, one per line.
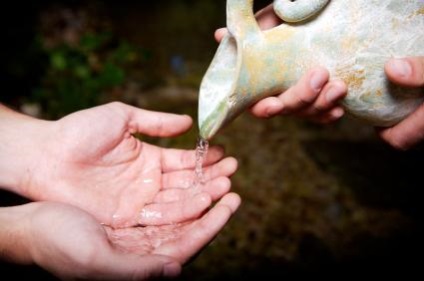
<point x="352" y="39"/>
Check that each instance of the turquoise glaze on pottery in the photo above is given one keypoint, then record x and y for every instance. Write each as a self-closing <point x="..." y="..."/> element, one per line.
<point x="352" y="38"/>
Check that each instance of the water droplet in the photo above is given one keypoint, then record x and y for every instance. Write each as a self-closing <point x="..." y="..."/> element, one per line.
<point x="146" y="214"/>
<point x="147" y="180"/>
<point x="116" y="220"/>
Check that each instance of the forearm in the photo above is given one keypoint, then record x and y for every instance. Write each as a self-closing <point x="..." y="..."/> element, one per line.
<point x="14" y="233"/>
<point x="21" y="138"/>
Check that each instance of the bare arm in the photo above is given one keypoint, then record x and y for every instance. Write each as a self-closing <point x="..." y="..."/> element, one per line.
<point x="21" y="141"/>
<point x="13" y="232"/>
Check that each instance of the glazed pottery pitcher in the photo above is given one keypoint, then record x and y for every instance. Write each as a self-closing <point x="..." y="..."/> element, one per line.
<point x="353" y="39"/>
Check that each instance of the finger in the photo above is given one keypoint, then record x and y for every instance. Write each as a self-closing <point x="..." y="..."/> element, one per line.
<point x="123" y="266"/>
<point x="267" y="18"/>
<point x="406" y="71"/>
<point x="174" y="212"/>
<point x="184" y="178"/>
<point x="157" y="124"/>
<point x="215" y="188"/>
<point x="407" y="133"/>
<point x="297" y="97"/>
<point x="330" y="95"/>
<point x="226" y="167"/>
<point x="203" y="231"/>
<point x="180" y="159"/>
<point x="268" y="107"/>
<point x="220" y="33"/>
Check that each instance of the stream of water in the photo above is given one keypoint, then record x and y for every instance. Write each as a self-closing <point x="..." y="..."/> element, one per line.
<point x="201" y="151"/>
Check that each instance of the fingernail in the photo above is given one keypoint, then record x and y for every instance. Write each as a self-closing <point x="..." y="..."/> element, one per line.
<point x="172" y="269"/>
<point x="317" y="81"/>
<point x="274" y="110"/>
<point x="401" y="67"/>
<point x="271" y="111"/>
<point x="333" y="95"/>
<point x="337" y="113"/>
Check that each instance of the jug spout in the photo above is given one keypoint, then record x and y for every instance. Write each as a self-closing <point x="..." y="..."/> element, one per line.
<point x="217" y="85"/>
<point x="221" y="79"/>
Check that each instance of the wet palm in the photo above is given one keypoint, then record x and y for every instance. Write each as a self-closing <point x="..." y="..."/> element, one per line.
<point x="71" y="244"/>
<point x="98" y="165"/>
<point x="180" y="241"/>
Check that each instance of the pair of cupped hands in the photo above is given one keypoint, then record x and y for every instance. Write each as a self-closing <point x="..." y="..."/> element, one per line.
<point x="126" y="209"/>
<point x="110" y="206"/>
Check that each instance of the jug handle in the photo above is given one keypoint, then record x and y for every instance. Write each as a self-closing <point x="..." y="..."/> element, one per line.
<point x="298" y="10"/>
<point x="241" y="19"/>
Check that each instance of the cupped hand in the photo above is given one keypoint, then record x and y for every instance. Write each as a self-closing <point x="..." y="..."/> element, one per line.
<point x="92" y="160"/>
<point x="181" y="240"/>
<point x="408" y="72"/>
<point x="72" y="244"/>
<point x="313" y="97"/>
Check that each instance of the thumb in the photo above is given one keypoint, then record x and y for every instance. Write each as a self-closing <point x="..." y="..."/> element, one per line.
<point x="406" y="71"/>
<point x="158" y="124"/>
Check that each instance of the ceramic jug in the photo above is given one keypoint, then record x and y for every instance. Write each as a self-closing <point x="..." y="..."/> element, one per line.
<point x="353" y="39"/>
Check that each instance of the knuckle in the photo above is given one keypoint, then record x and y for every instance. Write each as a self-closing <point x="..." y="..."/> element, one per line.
<point x="319" y="107"/>
<point x="306" y="98"/>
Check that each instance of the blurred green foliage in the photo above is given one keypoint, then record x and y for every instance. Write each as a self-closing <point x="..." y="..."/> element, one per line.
<point x="78" y="76"/>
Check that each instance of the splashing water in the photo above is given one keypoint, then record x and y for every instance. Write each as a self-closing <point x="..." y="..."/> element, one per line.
<point x="201" y="151"/>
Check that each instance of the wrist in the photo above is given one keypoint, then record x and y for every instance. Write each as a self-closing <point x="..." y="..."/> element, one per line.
<point x="15" y="232"/>
<point x="21" y="149"/>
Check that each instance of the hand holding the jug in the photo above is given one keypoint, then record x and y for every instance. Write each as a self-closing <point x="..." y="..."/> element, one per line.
<point x="409" y="132"/>
<point x="313" y="97"/>
<point x="316" y="98"/>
